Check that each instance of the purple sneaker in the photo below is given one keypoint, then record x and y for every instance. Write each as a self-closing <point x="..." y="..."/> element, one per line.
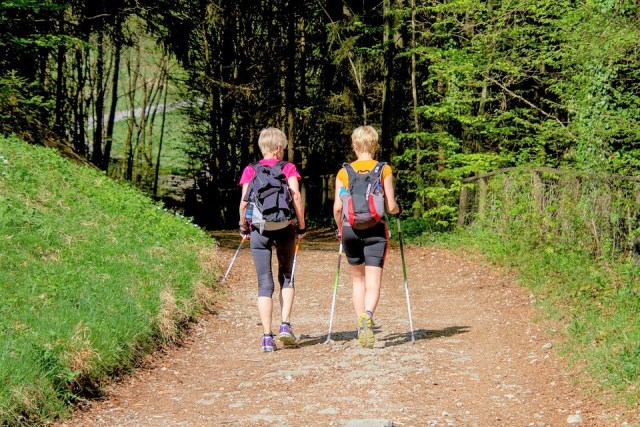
<point x="286" y="335"/>
<point x="267" y="343"/>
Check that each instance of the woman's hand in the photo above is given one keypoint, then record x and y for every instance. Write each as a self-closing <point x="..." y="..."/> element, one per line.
<point x="245" y="230"/>
<point x="397" y="214"/>
<point x="301" y="233"/>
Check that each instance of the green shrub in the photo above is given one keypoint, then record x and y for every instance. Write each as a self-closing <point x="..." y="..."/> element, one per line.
<point x="413" y="227"/>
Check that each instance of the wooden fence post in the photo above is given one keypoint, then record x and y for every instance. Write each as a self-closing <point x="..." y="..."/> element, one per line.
<point x="537" y="190"/>
<point x="483" y="183"/>
<point x="462" y="206"/>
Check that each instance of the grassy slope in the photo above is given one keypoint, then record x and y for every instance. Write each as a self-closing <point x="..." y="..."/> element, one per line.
<point x="92" y="274"/>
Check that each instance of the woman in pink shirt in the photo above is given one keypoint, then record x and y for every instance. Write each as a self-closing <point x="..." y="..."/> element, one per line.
<point x="279" y="234"/>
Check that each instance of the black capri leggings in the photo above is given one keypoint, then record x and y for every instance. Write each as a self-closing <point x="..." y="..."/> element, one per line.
<point x="262" y="245"/>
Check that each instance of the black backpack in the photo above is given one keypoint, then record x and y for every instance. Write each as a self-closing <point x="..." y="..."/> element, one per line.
<point x="269" y="193"/>
<point x="363" y="202"/>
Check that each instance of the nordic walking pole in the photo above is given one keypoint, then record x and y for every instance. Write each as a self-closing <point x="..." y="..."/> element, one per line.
<point x="295" y="258"/>
<point x="224" y="278"/>
<point x="404" y="273"/>
<point x="335" y="291"/>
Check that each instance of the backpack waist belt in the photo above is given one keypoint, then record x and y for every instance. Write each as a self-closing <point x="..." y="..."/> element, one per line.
<point x="272" y="226"/>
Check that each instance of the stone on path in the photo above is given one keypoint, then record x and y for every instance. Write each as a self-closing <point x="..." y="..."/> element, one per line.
<point x="574" y="419"/>
<point x="369" y="423"/>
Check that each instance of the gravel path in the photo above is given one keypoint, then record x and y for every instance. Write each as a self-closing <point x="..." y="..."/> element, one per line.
<point x="478" y="359"/>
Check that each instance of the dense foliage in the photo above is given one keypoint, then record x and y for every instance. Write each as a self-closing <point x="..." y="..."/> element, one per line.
<point x="454" y="87"/>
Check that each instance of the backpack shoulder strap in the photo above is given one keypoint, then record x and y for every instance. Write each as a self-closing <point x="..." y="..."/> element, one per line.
<point x="376" y="172"/>
<point x="257" y="166"/>
<point x="278" y="168"/>
<point x="351" y="172"/>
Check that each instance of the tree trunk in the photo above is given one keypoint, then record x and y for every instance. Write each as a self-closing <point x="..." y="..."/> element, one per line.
<point x="96" y="155"/>
<point x="78" y="106"/>
<point x="357" y="73"/>
<point x="290" y="82"/>
<point x="164" y="116"/>
<point x="414" y="86"/>
<point x="302" y="100"/>
<point x="386" y="137"/>
<point x="133" y="74"/>
<point x="114" y="100"/>
<point x="58" y="126"/>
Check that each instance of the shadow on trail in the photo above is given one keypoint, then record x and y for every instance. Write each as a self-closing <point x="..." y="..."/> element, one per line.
<point x="335" y="336"/>
<point x="423" y="334"/>
<point x="390" y="340"/>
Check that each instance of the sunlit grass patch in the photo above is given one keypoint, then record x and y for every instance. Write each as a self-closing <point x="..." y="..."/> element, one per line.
<point x="92" y="276"/>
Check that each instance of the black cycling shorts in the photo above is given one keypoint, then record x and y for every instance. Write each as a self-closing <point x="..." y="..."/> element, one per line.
<point x="366" y="246"/>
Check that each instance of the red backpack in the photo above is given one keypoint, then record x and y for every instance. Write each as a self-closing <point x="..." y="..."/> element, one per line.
<point x="363" y="202"/>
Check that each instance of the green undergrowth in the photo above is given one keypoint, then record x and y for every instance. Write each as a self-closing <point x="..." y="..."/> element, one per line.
<point x="173" y="150"/>
<point x="596" y="302"/>
<point x="92" y="276"/>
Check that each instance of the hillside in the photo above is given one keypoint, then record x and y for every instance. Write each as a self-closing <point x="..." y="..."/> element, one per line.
<point x="92" y="274"/>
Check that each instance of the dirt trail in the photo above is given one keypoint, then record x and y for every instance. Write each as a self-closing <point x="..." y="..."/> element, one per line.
<point x="478" y="359"/>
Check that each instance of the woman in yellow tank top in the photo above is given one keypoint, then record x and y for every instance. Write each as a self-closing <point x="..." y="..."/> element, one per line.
<point x="365" y="248"/>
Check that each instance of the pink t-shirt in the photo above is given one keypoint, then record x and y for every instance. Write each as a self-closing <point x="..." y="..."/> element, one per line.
<point x="289" y="170"/>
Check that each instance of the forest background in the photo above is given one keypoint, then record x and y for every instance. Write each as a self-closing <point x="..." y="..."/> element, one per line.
<point x="455" y="88"/>
<point x="518" y="121"/>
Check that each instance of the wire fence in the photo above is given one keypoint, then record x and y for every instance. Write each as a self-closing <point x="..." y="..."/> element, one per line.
<point x="598" y="212"/>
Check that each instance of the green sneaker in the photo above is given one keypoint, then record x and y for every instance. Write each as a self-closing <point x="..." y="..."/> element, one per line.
<point x="365" y="331"/>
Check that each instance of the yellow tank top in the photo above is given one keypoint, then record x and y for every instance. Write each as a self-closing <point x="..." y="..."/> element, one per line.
<point x="362" y="166"/>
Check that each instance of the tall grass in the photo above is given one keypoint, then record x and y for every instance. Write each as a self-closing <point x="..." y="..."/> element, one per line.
<point x="572" y="238"/>
<point x="92" y="275"/>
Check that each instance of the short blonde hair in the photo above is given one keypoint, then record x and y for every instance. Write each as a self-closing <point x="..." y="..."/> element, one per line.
<point x="271" y="139"/>
<point x="364" y="139"/>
